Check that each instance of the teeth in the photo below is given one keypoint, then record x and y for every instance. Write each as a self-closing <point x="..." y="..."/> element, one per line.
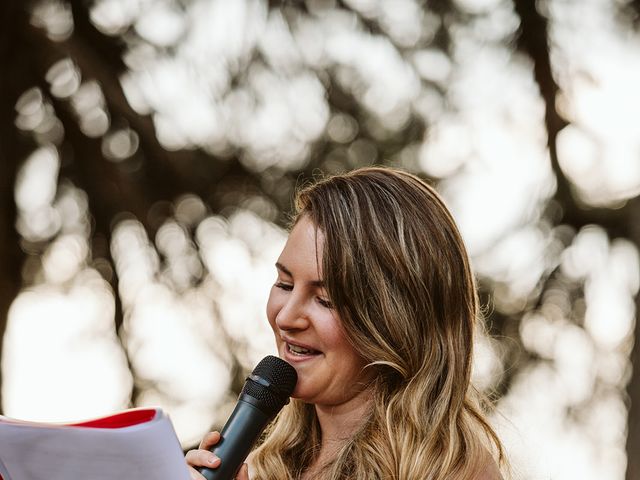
<point x="299" y="350"/>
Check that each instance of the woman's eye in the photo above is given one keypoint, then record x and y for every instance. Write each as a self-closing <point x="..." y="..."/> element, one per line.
<point x="325" y="303"/>
<point x="284" y="286"/>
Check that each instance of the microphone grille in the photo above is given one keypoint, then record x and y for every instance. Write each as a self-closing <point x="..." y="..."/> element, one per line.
<point x="277" y="372"/>
<point x="271" y="383"/>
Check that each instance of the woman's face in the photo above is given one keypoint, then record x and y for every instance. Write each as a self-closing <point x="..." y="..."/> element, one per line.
<point x="307" y="329"/>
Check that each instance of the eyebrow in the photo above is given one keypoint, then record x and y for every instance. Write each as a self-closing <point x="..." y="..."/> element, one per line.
<point x="285" y="270"/>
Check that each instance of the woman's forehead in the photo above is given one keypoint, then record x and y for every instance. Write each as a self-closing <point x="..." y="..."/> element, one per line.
<point x="304" y="247"/>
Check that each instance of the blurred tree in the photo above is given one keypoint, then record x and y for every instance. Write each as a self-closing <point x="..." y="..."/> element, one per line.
<point x="55" y="55"/>
<point x="13" y="148"/>
<point x="621" y="222"/>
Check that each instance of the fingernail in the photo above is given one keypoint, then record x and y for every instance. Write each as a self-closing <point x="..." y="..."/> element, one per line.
<point x="213" y="460"/>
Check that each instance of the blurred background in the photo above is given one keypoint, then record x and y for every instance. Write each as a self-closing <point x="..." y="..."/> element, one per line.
<point x="149" y="151"/>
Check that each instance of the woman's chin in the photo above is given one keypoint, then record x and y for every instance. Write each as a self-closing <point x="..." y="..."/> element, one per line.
<point x="300" y="394"/>
<point x="297" y="394"/>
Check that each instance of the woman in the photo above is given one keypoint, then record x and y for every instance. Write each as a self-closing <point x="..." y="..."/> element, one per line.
<point x="375" y="306"/>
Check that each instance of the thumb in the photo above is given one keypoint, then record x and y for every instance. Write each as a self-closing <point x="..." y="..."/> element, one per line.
<point x="243" y="473"/>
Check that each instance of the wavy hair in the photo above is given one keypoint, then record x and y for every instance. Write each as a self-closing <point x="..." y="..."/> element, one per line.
<point x="398" y="275"/>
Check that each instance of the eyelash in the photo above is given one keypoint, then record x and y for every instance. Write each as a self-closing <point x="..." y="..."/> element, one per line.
<point x="284" y="286"/>
<point x="287" y="288"/>
<point x="325" y="303"/>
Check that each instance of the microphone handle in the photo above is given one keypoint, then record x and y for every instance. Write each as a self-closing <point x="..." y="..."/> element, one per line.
<point x="242" y="430"/>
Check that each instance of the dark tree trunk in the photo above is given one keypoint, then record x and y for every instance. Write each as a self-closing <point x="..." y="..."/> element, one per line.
<point x="13" y="148"/>
<point x="633" y="389"/>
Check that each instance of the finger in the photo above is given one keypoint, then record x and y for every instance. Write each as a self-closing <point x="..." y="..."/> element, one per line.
<point x="209" y="440"/>
<point x="201" y="458"/>
<point x="243" y="473"/>
<point x="194" y="474"/>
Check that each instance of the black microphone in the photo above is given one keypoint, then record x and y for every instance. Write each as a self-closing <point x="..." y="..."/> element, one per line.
<point x="265" y="392"/>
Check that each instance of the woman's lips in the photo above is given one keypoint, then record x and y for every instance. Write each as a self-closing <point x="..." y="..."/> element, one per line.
<point x="299" y="351"/>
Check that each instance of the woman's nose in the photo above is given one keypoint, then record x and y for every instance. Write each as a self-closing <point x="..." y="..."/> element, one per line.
<point x="292" y="315"/>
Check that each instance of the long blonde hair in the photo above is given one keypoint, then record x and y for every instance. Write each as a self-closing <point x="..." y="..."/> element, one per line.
<point x="398" y="274"/>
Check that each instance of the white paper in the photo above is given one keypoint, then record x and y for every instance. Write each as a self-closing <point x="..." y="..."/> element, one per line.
<point x="149" y="450"/>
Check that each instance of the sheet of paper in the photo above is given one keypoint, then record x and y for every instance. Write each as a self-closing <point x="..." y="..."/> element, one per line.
<point x="149" y="450"/>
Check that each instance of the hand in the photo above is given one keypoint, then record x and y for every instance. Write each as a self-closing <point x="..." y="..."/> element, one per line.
<point x="202" y="457"/>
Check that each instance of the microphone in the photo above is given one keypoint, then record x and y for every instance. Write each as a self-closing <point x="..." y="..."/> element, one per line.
<point x="266" y="390"/>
